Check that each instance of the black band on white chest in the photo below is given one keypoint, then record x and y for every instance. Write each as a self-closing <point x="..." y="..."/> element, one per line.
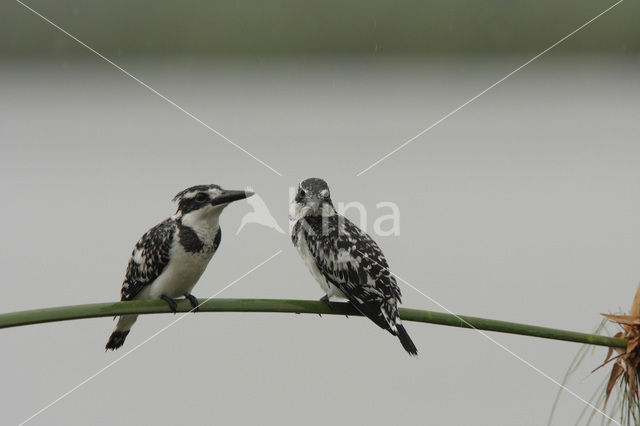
<point x="191" y="242"/>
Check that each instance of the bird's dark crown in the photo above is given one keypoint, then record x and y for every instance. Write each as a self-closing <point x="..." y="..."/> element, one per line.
<point x="193" y="190"/>
<point x="314" y="185"/>
<point x="314" y="188"/>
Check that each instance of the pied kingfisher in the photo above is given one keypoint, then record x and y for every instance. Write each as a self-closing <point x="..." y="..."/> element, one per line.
<point x="169" y="259"/>
<point x="344" y="260"/>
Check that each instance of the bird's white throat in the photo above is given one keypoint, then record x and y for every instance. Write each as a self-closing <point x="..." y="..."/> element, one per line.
<point x="204" y="219"/>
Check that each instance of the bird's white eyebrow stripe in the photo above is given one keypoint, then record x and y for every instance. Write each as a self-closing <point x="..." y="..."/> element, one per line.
<point x="103" y="369"/>
<point x="127" y="73"/>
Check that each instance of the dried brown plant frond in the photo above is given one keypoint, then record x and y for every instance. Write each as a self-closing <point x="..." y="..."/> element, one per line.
<point x="626" y="362"/>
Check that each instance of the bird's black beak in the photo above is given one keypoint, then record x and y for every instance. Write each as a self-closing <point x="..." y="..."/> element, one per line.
<point x="229" y="196"/>
<point x="314" y="203"/>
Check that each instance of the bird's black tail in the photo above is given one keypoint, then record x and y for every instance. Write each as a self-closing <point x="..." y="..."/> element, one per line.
<point x="120" y="333"/>
<point x="116" y="340"/>
<point x="374" y="313"/>
<point x="406" y="341"/>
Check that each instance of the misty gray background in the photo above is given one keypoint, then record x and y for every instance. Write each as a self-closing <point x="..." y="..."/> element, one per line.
<point x="523" y="206"/>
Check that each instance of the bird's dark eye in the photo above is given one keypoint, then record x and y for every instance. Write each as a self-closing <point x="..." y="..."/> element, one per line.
<point x="202" y="197"/>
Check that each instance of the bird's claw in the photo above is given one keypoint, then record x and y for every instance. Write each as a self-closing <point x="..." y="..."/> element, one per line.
<point x="172" y="303"/>
<point x="326" y="301"/>
<point x="194" y="302"/>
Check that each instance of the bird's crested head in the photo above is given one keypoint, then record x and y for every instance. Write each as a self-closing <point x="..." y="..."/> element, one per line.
<point x="313" y="198"/>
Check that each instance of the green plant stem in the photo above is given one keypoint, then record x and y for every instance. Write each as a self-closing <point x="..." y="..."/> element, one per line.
<point x="63" y="313"/>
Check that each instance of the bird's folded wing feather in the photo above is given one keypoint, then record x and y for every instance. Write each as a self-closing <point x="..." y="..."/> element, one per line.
<point x="149" y="258"/>
<point x="354" y="263"/>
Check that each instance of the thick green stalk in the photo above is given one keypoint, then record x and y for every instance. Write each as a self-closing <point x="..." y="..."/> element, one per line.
<point x="62" y="313"/>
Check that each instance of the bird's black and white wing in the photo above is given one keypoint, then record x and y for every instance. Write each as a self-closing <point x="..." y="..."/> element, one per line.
<point x="149" y="258"/>
<point x="351" y="261"/>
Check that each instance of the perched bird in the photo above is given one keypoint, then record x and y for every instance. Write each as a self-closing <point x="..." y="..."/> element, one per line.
<point x="344" y="260"/>
<point x="260" y="215"/>
<point x="170" y="258"/>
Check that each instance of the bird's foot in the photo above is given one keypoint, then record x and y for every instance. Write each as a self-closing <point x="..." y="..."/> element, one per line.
<point x="172" y="303"/>
<point x="194" y="302"/>
<point x="326" y="301"/>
